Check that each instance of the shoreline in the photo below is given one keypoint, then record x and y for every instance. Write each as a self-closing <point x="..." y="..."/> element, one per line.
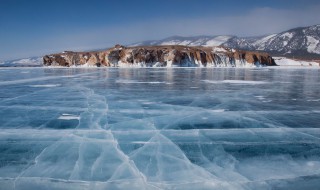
<point x="266" y="67"/>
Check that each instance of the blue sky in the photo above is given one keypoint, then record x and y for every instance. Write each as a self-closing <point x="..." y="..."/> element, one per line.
<point x="37" y="27"/>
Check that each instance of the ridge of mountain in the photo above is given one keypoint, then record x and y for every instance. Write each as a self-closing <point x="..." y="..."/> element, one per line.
<point x="301" y="42"/>
<point x="298" y="43"/>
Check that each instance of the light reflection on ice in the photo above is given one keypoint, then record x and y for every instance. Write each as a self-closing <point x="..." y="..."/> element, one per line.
<point x="139" y="82"/>
<point x="68" y="117"/>
<point x="45" y="85"/>
<point x="235" y="82"/>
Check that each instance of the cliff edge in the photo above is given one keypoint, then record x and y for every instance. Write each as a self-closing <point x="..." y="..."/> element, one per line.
<point x="161" y="56"/>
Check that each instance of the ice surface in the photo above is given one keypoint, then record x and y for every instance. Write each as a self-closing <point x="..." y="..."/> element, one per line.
<point x="68" y="117"/>
<point x="183" y="128"/>
<point x="235" y="82"/>
<point x="45" y="85"/>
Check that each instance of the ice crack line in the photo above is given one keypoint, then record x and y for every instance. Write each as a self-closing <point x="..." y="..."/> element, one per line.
<point x="95" y="116"/>
<point x="20" y="81"/>
<point x="28" y="167"/>
<point x="127" y="159"/>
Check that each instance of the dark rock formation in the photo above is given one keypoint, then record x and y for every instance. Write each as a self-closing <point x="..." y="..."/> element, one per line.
<point x="161" y="56"/>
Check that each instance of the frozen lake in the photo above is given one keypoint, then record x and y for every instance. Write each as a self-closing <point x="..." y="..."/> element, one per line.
<point x="184" y="128"/>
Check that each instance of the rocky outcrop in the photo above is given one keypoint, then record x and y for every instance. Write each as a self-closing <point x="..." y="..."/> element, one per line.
<point x="161" y="56"/>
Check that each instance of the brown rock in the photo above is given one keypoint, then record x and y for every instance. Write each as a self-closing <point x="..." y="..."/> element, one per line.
<point x="161" y="56"/>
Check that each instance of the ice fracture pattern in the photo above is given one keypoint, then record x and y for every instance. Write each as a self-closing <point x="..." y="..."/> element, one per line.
<point x="166" y="128"/>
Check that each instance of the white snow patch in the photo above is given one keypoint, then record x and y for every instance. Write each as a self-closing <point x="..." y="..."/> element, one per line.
<point x="287" y="35"/>
<point x="262" y="42"/>
<point x="185" y="42"/>
<point x="172" y="42"/>
<point x="218" y="110"/>
<point x="282" y="61"/>
<point x="285" y="43"/>
<point x="66" y="116"/>
<point x="217" y="41"/>
<point x="219" y="49"/>
<point x="29" y="61"/>
<point x="148" y="103"/>
<point x="84" y="65"/>
<point x="23" y="61"/>
<point x="199" y="42"/>
<point x="313" y="45"/>
<point x="45" y="85"/>
<point x="260" y="97"/>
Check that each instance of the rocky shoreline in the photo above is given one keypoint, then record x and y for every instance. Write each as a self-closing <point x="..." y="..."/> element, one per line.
<point x="161" y="56"/>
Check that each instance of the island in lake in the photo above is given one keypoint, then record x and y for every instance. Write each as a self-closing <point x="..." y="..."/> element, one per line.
<point x="162" y="56"/>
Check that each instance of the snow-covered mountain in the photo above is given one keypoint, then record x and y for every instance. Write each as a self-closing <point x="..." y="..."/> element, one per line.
<point x="189" y="41"/>
<point x="297" y="41"/>
<point x="302" y="41"/>
<point x="26" y="62"/>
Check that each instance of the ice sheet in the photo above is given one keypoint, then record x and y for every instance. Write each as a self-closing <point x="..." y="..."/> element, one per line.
<point x="159" y="129"/>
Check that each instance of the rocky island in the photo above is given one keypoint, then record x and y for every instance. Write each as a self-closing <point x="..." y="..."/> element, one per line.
<point x="161" y="56"/>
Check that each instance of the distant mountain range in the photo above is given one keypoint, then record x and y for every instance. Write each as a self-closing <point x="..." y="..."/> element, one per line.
<point x="26" y="62"/>
<point x="301" y="42"/>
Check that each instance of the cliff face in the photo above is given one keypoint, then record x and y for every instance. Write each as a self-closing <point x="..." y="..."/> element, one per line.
<point x="161" y="56"/>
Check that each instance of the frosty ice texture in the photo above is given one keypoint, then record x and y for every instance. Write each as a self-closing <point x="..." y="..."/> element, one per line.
<point x="159" y="128"/>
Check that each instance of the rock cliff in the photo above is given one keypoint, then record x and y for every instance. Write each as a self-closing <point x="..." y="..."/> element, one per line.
<point x="161" y="56"/>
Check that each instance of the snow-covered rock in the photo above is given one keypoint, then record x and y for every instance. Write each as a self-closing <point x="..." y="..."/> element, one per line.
<point x="283" y="61"/>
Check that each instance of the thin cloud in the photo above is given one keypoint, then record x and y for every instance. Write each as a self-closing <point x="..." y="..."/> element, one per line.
<point x="257" y="22"/>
